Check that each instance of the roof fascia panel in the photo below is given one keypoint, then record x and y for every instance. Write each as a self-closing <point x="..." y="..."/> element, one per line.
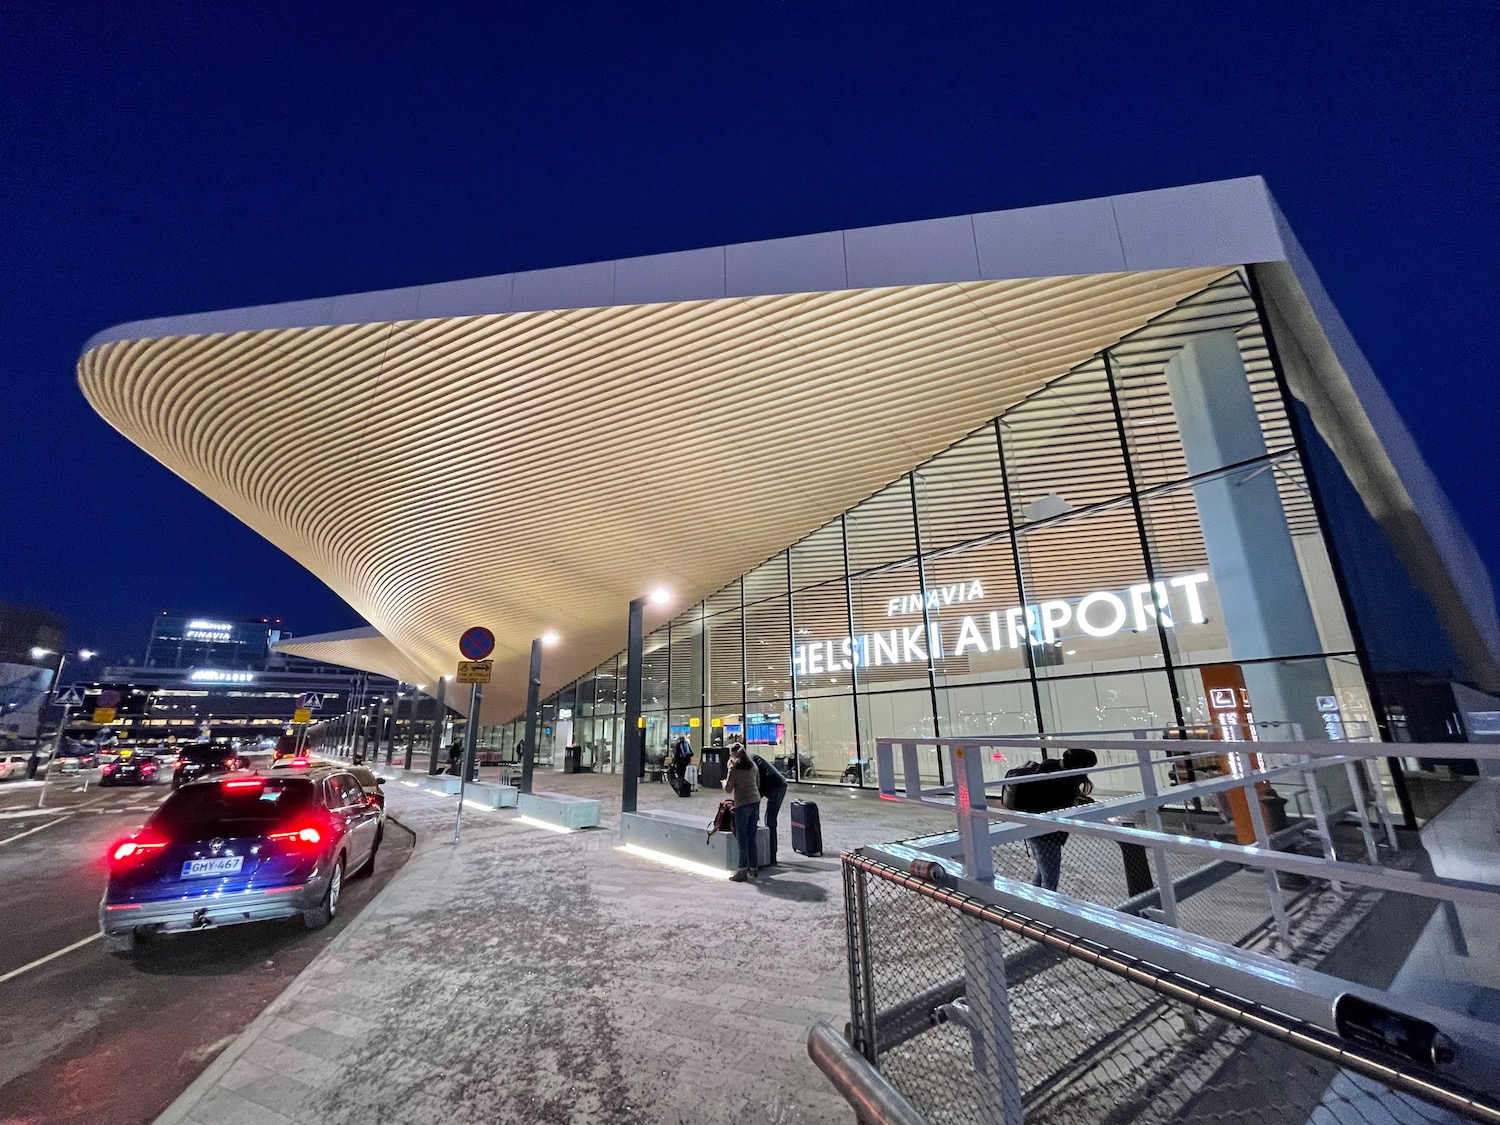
<point x="1201" y="225"/>
<point x="1222" y="223"/>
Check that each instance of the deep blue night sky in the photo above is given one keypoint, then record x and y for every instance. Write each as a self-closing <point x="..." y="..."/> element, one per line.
<point x="159" y="159"/>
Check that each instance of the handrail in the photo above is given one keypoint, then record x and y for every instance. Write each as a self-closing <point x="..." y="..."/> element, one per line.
<point x="874" y="1100"/>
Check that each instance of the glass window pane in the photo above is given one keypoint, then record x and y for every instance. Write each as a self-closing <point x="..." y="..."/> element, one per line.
<point x="891" y="715"/>
<point x="1089" y="605"/>
<point x="960" y="496"/>
<point x="726" y="661"/>
<point x="768" y="649"/>
<point x="767" y="580"/>
<point x="1107" y="704"/>
<point x="825" y="738"/>
<point x="824" y="654"/>
<point x="969" y="594"/>
<point x="654" y="670"/>
<point x="1146" y="396"/>
<point x="723" y="601"/>
<point x="819" y="557"/>
<point x="1062" y="447"/>
<point x="687" y="661"/>
<point x="880" y="529"/>
<point x="889" y="628"/>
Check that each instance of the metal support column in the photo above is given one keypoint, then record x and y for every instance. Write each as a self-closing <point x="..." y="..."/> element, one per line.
<point x="1159" y="862"/>
<point x="634" y="736"/>
<point x="973" y="825"/>
<point x="471" y="743"/>
<point x="991" y="1039"/>
<point x="373" y="757"/>
<point x="436" y="736"/>
<point x="533" y="705"/>
<point x="411" y="726"/>
<point x="1263" y="841"/>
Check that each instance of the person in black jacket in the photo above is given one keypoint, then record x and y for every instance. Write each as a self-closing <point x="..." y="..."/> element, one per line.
<point x="773" y="791"/>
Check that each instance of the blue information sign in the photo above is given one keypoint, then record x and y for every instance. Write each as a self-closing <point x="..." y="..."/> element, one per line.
<point x="477" y="643"/>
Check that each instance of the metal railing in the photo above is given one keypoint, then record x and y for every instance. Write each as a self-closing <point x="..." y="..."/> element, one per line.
<point x="1147" y="992"/>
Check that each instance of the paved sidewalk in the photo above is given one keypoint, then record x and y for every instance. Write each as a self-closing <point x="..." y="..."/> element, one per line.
<point x="526" y="976"/>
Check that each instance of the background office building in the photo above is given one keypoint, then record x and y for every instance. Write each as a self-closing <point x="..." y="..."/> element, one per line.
<point x="1106" y="467"/>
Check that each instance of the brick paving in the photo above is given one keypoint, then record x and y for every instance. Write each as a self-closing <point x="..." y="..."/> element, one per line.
<point x="527" y="976"/>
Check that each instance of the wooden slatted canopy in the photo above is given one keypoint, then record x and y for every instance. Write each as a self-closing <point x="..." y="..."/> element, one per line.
<point x="534" y="471"/>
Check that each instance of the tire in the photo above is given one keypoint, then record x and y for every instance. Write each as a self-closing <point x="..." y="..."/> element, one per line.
<point x="120" y="945"/>
<point x="320" y="915"/>
<point x="369" y="868"/>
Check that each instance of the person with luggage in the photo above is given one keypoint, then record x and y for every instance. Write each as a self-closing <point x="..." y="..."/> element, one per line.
<point x="742" y="785"/>
<point x="1049" y="796"/>
<point x="678" y="761"/>
<point x="772" y="784"/>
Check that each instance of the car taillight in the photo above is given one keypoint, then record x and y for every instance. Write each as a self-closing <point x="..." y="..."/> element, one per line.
<point x="109" y="767"/>
<point x="245" y="783"/>
<point x="132" y="851"/>
<point x="306" y="834"/>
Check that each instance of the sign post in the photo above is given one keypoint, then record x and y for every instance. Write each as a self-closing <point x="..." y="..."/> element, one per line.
<point x="476" y="645"/>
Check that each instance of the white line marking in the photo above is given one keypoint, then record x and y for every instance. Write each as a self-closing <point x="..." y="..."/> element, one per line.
<point x="50" y="957"/>
<point x="38" y="828"/>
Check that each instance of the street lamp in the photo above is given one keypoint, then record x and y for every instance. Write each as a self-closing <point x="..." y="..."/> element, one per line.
<point x="635" y="735"/>
<point x="533" y="691"/>
<point x="83" y="655"/>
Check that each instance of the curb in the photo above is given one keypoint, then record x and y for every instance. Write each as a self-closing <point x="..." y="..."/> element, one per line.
<point x="182" y="1105"/>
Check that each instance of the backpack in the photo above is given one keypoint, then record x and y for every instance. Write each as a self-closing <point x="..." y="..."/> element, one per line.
<point x="1039" y="796"/>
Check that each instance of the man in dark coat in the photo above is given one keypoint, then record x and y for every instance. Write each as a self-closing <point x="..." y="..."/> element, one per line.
<point x="772" y="791"/>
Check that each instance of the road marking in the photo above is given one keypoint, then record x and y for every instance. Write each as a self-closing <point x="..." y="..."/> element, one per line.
<point x="29" y="831"/>
<point x="50" y="957"/>
<point x="13" y="814"/>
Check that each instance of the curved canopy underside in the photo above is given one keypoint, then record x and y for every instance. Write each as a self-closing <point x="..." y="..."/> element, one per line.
<point x="534" y="471"/>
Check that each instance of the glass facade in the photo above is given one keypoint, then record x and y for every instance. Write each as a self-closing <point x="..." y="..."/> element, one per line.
<point x="1106" y="556"/>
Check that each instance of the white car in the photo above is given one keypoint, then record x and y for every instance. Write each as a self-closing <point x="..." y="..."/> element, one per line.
<point x="13" y="767"/>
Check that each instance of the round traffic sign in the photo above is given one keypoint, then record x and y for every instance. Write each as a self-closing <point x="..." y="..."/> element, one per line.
<point x="109" y="698"/>
<point x="477" y="643"/>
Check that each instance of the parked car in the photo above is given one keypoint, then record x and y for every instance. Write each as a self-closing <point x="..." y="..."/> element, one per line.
<point x="13" y="767"/>
<point x="130" y="767"/>
<point x="246" y="847"/>
<point x="203" y="760"/>
<point x="368" y="780"/>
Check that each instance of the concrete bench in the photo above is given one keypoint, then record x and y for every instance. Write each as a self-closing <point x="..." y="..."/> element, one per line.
<point x="490" y="795"/>
<point x="560" y="809"/>
<point x="685" y="836"/>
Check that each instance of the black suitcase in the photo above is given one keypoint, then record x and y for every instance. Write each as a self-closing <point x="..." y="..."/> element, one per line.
<point x="807" y="829"/>
<point x="684" y="789"/>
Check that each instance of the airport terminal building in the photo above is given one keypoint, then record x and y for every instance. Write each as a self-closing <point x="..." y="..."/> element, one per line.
<point x="1110" y="466"/>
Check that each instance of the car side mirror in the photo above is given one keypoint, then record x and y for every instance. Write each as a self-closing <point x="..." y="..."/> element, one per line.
<point x="380" y="781"/>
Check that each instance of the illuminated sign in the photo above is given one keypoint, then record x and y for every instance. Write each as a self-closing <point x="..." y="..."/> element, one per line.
<point x="970" y="591"/>
<point x="212" y="676"/>
<point x="209" y="631"/>
<point x="1102" y="613"/>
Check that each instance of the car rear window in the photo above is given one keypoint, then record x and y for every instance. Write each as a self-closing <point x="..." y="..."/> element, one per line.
<point x="207" y="753"/>
<point x="233" y="810"/>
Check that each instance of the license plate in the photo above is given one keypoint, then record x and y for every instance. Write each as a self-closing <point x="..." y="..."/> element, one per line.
<point x="224" y="865"/>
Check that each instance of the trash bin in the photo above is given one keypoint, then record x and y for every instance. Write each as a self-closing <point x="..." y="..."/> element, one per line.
<point x="572" y="759"/>
<point x="1275" y="805"/>
<point x="1138" y="878"/>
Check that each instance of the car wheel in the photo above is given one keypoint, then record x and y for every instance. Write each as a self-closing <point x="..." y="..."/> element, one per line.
<point x="320" y="915"/>
<point x="121" y="945"/>
<point x="369" y="868"/>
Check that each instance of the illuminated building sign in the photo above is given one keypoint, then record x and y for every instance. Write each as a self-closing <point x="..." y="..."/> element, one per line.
<point x="1102" y="613"/>
<point x="213" y="676"/>
<point x="209" y="631"/>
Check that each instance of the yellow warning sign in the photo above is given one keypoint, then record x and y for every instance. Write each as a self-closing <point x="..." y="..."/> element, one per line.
<point x="104" y="715"/>
<point x="474" y="671"/>
<point x="302" y="715"/>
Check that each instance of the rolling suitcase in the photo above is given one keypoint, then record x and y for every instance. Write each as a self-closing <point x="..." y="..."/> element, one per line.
<point x="807" y="829"/>
<point x="684" y="788"/>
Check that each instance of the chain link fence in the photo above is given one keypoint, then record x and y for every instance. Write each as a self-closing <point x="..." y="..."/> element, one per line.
<point x="1094" y="1044"/>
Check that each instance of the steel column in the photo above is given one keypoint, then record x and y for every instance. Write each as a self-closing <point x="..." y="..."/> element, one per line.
<point x="436" y="735"/>
<point x="471" y="741"/>
<point x="634" y="737"/>
<point x="533" y="705"/>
